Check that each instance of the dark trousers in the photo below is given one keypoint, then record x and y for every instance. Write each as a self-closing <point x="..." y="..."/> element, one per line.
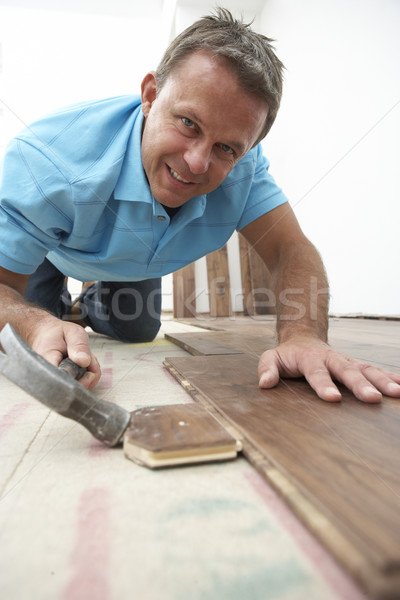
<point x="125" y="311"/>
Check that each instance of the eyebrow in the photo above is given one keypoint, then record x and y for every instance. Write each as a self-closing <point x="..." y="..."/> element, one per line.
<point x="238" y="146"/>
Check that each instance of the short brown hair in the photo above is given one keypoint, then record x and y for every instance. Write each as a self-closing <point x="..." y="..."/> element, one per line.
<point x="250" y="55"/>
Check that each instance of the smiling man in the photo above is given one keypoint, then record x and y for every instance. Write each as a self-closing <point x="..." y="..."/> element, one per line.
<point x="197" y="128"/>
<point x="124" y="190"/>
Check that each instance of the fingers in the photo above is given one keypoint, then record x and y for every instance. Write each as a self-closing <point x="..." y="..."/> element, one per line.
<point x="283" y="362"/>
<point x="55" y="339"/>
<point x="321" y="365"/>
<point x="78" y="350"/>
<point x="367" y="382"/>
<point x="92" y="375"/>
<point x="77" y="342"/>
<point x="268" y="370"/>
<point x="321" y="382"/>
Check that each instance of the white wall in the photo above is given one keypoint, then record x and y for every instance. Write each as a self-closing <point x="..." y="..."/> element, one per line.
<point x="335" y="147"/>
<point x="52" y="58"/>
<point x="332" y="149"/>
<point x="56" y="52"/>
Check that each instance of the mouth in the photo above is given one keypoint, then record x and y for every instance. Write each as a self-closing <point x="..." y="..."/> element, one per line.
<point x="177" y="177"/>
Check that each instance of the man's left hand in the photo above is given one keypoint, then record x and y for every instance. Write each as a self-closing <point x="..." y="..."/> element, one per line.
<point x="320" y="365"/>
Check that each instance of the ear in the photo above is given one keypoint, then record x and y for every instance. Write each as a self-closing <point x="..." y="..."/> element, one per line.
<point x="149" y="92"/>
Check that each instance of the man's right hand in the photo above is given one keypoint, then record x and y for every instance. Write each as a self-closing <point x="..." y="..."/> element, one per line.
<point x="44" y="333"/>
<point x="55" y="339"/>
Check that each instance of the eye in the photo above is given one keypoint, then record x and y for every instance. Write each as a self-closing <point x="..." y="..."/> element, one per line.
<point x="226" y="149"/>
<point x="188" y="122"/>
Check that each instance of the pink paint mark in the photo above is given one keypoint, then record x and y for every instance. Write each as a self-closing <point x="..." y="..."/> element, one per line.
<point x="144" y="357"/>
<point x="90" y="557"/>
<point x="97" y="449"/>
<point x="108" y="357"/>
<point x="8" y="420"/>
<point x="106" y="380"/>
<point x="318" y="556"/>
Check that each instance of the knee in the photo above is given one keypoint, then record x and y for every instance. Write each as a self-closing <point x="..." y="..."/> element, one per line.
<point x="137" y="331"/>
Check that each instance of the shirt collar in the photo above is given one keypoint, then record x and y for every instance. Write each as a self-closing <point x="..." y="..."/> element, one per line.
<point x="132" y="176"/>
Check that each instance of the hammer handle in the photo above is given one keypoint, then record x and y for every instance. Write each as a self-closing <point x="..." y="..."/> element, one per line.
<point x="55" y="388"/>
<point x="72" y="368"/>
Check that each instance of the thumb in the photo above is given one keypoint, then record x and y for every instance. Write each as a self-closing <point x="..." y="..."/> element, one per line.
<point x="268" y="371"/>
<point x="78" y="346"/>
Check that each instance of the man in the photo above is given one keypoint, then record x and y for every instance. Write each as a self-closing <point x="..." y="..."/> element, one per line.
<point x="125" y="190"/>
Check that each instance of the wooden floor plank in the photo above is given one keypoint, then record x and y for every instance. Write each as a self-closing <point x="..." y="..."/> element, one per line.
<point x="221" y="342"/>
<point x="219" y="283"/>
<point x="184" y="292"/>
<point x="337" y="465"/>
<point x="236" y="342"/>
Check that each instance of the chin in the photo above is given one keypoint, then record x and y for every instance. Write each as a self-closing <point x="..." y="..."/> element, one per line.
<point x="168" y="199"/>
<point x="174" y="204"/>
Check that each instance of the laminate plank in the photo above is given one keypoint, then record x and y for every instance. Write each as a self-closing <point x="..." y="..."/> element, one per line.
<point x="222" y="342"/>
<point x="200" y="344"/>
<point x="342" y="459"/>
<point x="236" y="342"/>
<point x="256" y="281"/>
<point x="245" y="275"/>
<point x="219" y="283"/>
<point x="184" y="291"/>
<point x="177" y="434"/>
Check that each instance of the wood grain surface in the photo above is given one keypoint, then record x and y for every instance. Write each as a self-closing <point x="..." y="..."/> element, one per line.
<point x="219" y="287"/>
<point x="373" y="341"/>
<point x="337" y="465"/>
<point x="256" y="281"/>
<point x="177" y="434"/>
<point x="184" y="291"/>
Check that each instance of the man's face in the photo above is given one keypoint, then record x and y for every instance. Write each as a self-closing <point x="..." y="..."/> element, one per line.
<point x="196" y="129"/>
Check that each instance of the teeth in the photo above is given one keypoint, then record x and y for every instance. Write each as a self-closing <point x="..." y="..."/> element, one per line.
<point x="176" y="176"/>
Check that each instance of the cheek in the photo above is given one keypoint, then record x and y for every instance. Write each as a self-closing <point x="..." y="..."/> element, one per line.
<point x="222" y="170"/>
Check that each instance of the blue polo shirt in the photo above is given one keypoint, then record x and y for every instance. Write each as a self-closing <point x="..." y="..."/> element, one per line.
<point x="74" y="189"/>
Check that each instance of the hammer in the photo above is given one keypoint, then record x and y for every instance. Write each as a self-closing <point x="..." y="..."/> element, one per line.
<point x="153" y="436"/>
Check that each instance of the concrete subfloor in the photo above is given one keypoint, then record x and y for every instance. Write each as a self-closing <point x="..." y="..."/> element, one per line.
<point x="78" y="521"/>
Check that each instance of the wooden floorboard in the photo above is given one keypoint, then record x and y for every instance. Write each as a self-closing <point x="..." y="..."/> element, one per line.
<point x="337" y="465"/>
<point x="373" y="341"/>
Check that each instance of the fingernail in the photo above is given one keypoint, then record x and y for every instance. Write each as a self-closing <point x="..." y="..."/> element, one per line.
<point x="264" y="380"/>
<point x="88" y="377"/>
<point x="332" y="392"/>
<point x="372" y="394"/>
<point x="393" y="387"/>
<point x="83" y="357"/>
<point x="372" y="391"/>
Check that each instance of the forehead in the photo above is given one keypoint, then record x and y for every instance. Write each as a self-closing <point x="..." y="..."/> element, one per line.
<point x="208" y="87"/>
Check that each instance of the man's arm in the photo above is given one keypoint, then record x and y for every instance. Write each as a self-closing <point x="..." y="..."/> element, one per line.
<point x="302" y="297"/>
<point x="48" y="336"/>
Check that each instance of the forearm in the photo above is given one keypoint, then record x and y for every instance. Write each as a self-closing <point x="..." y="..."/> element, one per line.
<point x="302" y="293"/>
<point x="49" y="336"/>
<point x="24" y="317"/>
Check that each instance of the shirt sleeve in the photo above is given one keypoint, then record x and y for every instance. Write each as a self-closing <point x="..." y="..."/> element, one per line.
<point x="35" y="207"/>
<point x="264" y="194"/>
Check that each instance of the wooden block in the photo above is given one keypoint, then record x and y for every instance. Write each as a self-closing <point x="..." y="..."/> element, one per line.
<point x="219" y="283"/>
<point x="184" y="291"/>
<point x="222" y="342"/>
<point x="177" y="434"/>
<point x="256" y="281"/>
<point x="248" y="307"/>
<point x="201" y="344"/>
<point x="336" y="464"/>
<point x="371" y="341"/>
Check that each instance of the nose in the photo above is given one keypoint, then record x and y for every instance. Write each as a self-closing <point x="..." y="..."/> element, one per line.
<point x="198" y="157"/>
